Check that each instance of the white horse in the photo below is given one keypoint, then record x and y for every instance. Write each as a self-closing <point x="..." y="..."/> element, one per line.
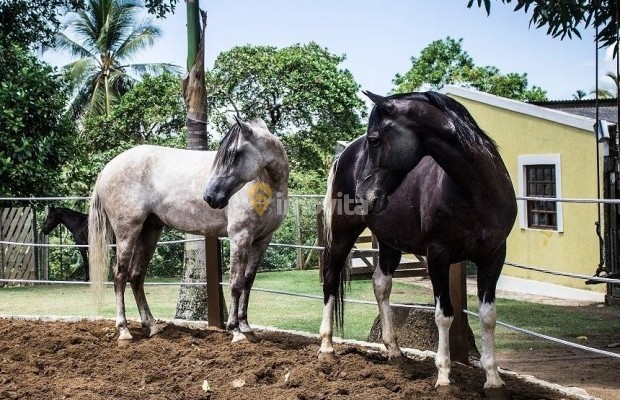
<point x="148" y="187"/>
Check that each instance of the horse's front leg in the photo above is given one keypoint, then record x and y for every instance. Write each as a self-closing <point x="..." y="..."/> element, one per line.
<point x="257" y="250"/>
<point x="84" y="253"/>
<point x="488" y="274"/>
<point x="439" y="271"/>
<point x="389" y="258"/>
<point x="239" y="255"/>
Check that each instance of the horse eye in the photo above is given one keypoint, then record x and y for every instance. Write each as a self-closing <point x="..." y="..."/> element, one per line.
<point x="374" y="141"/>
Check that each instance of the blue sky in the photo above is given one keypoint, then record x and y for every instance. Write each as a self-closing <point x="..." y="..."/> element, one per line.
<point x="380" y="37"/>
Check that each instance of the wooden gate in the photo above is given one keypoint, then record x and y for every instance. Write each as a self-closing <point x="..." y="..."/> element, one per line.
<point x="17" y="224"/>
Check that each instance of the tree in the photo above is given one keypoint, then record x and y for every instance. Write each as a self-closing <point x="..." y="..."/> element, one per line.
<point x="152" y="112"/>
<point x="192" y="303"/>
<point x="30" y="23"/>
<point x="579" y="95"/>
<point x="565" y="18"/>
<point x="107" y="35"/>
<point x="37" y="137"/>
<point x="300" y="91"/>
<point x="439" y="63"/>
<point x="445" y="62"/>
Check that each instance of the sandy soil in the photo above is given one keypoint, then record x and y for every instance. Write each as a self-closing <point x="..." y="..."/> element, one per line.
<point x="83" y="360"/>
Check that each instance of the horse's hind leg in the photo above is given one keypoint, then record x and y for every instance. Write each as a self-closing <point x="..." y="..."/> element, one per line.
<point x="439" y="271"/>
<point x="255" y="255"/>
<point x="389" y="258"/>
<point x="488" y="274"/>
<point x="125" y="243"/>
<point x="145" y="247"/>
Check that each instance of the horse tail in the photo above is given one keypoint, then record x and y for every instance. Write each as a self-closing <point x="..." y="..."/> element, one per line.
<point x="99" y="236"/>
<point x="340" y="285"/>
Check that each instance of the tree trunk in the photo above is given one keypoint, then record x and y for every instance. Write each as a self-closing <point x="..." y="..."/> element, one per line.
<point x="192" y="303"/>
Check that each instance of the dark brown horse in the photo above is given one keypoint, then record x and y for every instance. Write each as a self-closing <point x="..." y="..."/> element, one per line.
<point x="77" y="223"/>
<point x="429" y="181"/>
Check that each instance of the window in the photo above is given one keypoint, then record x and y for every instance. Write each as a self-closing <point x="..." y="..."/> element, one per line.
<point x="540" y="182"/>
<point x="540" y="176"/>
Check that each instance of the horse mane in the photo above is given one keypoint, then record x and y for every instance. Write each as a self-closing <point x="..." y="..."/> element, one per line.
<point x="228" y="146"/>
<point x="471" y="137"/>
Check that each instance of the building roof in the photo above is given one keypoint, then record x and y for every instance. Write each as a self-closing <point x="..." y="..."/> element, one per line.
<point x="560" y="116"/>
<point x="608" y="108"/>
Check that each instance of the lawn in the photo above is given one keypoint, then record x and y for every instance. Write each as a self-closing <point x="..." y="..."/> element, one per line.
<point x="304" y="314"/>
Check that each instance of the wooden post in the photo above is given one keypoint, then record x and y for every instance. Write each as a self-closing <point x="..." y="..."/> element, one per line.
<point x="215" y="294"/>
<point x="300" y="251"/>
<point x="459" y="337"/>
<point x="320" y="240"/>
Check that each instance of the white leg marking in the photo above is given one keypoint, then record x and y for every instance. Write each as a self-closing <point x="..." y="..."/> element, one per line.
<point x="488" y="316"/>
<point x="383" y="287"/>
<point x="442" y="359"/>
<point x="327" y="327"/>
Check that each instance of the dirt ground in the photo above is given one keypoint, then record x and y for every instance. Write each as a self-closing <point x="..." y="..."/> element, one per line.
<point x="83" y="360"/>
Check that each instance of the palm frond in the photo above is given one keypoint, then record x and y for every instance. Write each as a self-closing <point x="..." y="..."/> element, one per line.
<point x="154" y="68"/>
<point x="79" y="71"/>
<point x="64" y="43"/>
<point x="141" y="38"/>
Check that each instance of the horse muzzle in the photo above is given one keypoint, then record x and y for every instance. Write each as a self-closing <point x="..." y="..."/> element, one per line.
<point x="377" y="205"/>
<point x="214" y="201"/>
<point x="373" y="204"/>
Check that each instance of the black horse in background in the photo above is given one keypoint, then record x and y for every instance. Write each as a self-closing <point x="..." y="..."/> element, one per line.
<point x="426" y="180"/>
<point x="77" y="223"/>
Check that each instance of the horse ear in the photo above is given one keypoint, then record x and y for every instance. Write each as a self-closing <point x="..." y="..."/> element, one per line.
<point x="245" y="127"/>
<point x="381" y="102"/>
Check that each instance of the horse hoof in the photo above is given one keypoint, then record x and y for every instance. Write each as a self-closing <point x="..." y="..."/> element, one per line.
<point x="327" y="358"/>
<point x="397" y="360"/>
<point x="124" y="334"/>
<point x="496" y="393"/>
<point x="154" y="330"/>
<point x="447" y="389"/>
<point x="244" y="337"/>
<point x="251" y="337"/>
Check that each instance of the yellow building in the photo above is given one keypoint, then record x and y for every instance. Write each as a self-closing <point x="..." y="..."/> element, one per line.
<point x="548" y="153"/>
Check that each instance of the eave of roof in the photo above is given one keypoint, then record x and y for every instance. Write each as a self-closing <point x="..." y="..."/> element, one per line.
<point x="548" y="114"/>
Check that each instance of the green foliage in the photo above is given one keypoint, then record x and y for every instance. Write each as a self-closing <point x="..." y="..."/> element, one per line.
<point x="30" y="23"/>
<point x="37" y="137"/>
<point x="152" y="112"/>
<point x="167" y="262"/>
<point x="439" y="64"/>
<point x="565" y="18"/>
<point x="161" y="7"/>
<point x="106" y="35"/>
<point x="300" y="91"/>
<point x="445" y="62"/>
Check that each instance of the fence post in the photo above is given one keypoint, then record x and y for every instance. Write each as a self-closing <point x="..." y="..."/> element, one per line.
<point x="215" y="294"/>
<point x="459" y="334"/>
<point x="300" y="251"/>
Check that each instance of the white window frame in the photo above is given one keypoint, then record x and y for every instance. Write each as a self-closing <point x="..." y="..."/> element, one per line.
<point x="541" y="159"/>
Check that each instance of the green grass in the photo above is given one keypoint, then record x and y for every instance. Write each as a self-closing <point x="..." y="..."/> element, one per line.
<point x="305" y="314"/>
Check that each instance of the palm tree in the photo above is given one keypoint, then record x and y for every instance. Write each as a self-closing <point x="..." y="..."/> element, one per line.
<point x="609" y="93"/>
<point x="579" y="95"/>
<point x="107" y="34"/>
